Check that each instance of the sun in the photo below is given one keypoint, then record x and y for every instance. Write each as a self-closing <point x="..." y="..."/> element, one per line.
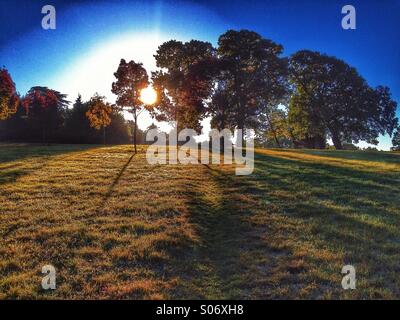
<point x="148" y="96"/>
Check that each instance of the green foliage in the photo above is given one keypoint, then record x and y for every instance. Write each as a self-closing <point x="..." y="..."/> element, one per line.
<point x="184" y="82"/>
<point x="396" y="140"/>
<point x="332" y="100"/>
<point x="274" y="131"/>
<point x="220" y="108"/>
<point x="253" y="79"/>
<point x="369" y="149"/>
<point x="77" y="128"/>
<point x="119" y="132"/>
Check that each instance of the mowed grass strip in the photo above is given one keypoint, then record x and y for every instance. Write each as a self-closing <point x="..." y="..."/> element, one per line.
<point x="116" y="227"/>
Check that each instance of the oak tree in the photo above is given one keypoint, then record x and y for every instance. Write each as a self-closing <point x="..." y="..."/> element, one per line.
<point x="331" y="100"/>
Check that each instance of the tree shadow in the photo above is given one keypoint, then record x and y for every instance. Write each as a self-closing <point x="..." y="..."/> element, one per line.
<point x="115" y="182"/>
<point x="373" y="156"/>
<point x="219" y="267"/>
<point x="286" y="172"/>
<point x="15" y="152"/>
<point x="350" y="211"/>
<point x="346" y="212"/>
<point x="34" y="157"/>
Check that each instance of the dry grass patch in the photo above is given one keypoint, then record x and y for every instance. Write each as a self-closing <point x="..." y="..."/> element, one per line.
<point x="116" y="227"/>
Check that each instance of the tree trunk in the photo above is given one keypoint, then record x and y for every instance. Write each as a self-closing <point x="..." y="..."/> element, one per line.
<point x="277" y="141"/>
<point x="134" y="132"/>
<point x="273" y="131"/>
<point x="320" y="142"/>
<point x="104" y="135"/>
<point x="336" y="142"/>
<point x="241" y="127"/>
<point x="295" y="142"/>
<point x="222" y="144"/>
<point x="336" y="139"/>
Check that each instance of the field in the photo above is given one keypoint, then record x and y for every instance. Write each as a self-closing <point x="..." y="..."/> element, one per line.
<point x="116" y="227"/>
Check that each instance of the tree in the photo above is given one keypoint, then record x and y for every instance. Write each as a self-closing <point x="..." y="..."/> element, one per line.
<point x="184" y="82"/>
<point x="45" y="110"/>
<point x="131" y="78"/>
<point x="149" y="128"/>
<point x="77" y="128"/>
<point x="396" y="140"/>
<point x="253" y="76"/>
<point x="99" y="114"/>
<point x="277" y="129"/>
<point x="331" y="100"/>
<point x="15" y="127"/>
<point x="220" y="108"/>
<point x="305" y="129"/>
<point x="119" y="129"/>
<point x="8" y="96"/>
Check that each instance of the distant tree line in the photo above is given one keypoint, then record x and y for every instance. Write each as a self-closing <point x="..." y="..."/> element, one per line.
<point x="43" y="116"/>
<point x="299" y="101"/>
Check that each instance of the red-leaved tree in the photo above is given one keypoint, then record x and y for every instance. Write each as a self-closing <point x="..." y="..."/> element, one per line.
<point x="8" y="95"/>
<point x="45" y="109"/>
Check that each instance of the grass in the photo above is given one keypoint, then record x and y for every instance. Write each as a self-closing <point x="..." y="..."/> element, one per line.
<point x="116" y="227"/>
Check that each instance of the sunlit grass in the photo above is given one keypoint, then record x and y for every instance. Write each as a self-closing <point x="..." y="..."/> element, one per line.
<point x="116" y="227"/>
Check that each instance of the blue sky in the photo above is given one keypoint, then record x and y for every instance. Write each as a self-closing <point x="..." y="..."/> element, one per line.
<point x="91" y="36"/>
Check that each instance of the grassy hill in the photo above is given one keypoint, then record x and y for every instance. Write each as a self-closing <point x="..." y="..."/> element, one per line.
<point x="116" y="227"/>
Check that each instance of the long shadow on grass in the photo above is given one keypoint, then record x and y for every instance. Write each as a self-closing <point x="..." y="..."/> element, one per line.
<point x="115" y="182"/>
<point x="349" y="210"/>
<point x="10" y="153"/>
<point x="36" y="154"/>
<point x="327" y="181"/>
<point x="345" y="208"/>
<point x="231" y="249"/>
<point x="374" y="156"/>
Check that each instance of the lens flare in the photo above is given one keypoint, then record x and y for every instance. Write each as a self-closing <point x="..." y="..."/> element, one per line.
<point x="148" y="96"/>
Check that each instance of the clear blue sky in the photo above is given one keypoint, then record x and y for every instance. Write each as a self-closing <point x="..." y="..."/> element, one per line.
<point x="37" y="57"/>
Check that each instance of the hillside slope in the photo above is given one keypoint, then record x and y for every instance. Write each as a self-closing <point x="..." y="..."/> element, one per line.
<point x="116" y="227"/>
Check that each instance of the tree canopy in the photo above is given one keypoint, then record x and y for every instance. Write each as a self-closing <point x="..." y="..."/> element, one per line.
<point x="331" y="100"/>
<point x="253" y="77"/>
<point x="184" y="82"/>
<point x="132" y="78"/>
<point x="98" y="114"/>
<point x="8" y="96"/>
<point x="396" y="140"/>
<point x="46" y="111"/>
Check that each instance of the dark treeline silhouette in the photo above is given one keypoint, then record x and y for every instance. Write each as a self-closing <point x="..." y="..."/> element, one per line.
<point x="43" y="116"/>
<point x="299" y="101"/>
